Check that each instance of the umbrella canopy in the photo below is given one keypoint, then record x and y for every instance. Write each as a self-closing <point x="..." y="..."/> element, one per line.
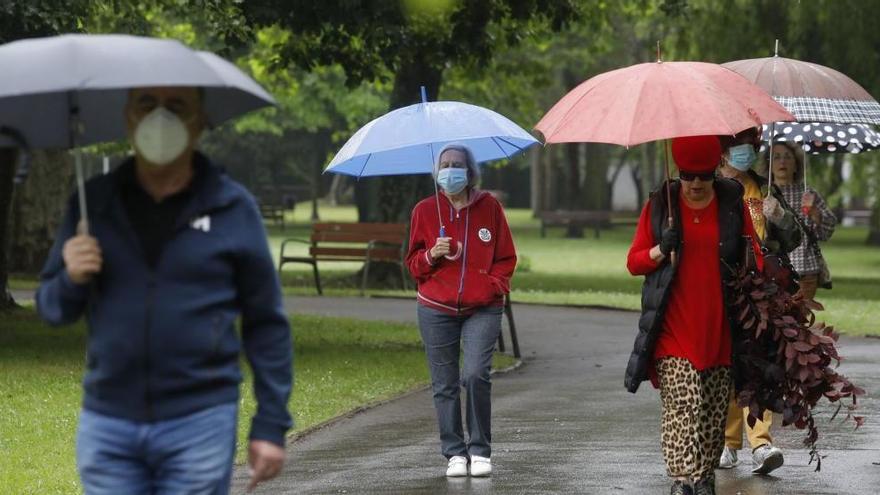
<point x="811" y="92"/>
<point x="407" y="140"/>
<point x="819" y="138"/>
<point x="48" y="81"/>
<point x="659" y="100"/>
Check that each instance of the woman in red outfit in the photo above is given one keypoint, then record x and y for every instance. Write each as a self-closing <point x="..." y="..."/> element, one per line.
<point x="462" y="257"/>
<point x="684" y="341"/>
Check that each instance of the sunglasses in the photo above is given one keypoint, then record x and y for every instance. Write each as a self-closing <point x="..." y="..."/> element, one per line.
<point x="452" y="165"/>
<point x="691" y="176"/>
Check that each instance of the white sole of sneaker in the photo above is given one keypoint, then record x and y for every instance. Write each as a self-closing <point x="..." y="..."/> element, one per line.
<point x="771" y="463"/>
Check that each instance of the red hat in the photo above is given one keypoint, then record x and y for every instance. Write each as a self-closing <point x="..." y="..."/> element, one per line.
<point x="696" y="154"/>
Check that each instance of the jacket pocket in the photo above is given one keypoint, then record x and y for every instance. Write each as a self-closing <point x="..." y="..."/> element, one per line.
<point x="479" y="289"/>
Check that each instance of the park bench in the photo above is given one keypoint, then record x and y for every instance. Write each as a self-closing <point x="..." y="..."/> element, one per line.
<point x="597" y="219"/>
<point x="273" y="201"/>
<point x="856" y="217"/>
<point x="365" y="242"/>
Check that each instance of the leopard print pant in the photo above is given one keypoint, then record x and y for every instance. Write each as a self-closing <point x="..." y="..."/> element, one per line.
<point x="694" y="414"/>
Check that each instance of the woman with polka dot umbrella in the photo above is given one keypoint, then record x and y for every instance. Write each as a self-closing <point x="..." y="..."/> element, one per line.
<point x="817" y="138"/>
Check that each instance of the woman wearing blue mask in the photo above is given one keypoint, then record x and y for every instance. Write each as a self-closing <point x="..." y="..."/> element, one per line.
<point x="462" y="256"/>
<point x="779" y="234"/>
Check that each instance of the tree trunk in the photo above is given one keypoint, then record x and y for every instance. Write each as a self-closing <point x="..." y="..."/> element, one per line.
<point x="874" y="229"/>
<point x="335" y="190"/>
<point x="573" y="175"/>
<point x="7" y="174"/>
<point x="549" y="175"/>
<point x="597" y="174"/>
<point x="836" y="179"/>
<point x="573" y="155"/>
<point x="391" y="199"/>
<point x="397" y="195"/>
<point x="38" y="207"/>
<point x="322" y="140"/>
<point x="536" y="180"/>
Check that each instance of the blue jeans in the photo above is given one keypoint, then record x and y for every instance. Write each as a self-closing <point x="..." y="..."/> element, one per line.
<point x="445" y="336"/>
<point x="192" y="454"/>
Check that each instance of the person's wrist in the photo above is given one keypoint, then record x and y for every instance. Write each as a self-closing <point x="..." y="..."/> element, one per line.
<point x="76" y="279"/>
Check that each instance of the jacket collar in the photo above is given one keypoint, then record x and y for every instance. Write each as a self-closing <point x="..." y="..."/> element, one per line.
<point x="475" y="197"/>
<point x="210" y="189"/>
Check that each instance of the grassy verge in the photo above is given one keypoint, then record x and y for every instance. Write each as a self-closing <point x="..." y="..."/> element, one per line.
<point x="340" y="365"/>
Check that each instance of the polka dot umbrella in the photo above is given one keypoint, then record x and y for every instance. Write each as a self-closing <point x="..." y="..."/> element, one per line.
<point x="823" y="137"/>
<point x="817" y="138"/>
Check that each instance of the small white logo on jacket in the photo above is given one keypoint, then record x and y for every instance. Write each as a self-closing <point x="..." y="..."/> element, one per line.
<point x="201" y="223"/>
<point x="485" y="235"/>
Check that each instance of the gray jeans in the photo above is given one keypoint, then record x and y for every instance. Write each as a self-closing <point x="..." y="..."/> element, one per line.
<point x="445" y="336"/>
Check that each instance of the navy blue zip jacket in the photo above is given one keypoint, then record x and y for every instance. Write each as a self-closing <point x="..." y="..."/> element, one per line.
<point x="162" y="341"/>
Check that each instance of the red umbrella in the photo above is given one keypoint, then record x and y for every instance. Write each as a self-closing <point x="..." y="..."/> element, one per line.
<point x="659" y="100"/>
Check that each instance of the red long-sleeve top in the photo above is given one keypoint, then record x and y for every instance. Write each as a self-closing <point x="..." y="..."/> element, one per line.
<point x="695" y="326"/>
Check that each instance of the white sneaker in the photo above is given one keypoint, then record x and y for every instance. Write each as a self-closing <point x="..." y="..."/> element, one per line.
<point x="457" y="466"/>
<point x="766" y="458"/>
<point x="480" y="466"/>
<point x="728" y="459"/>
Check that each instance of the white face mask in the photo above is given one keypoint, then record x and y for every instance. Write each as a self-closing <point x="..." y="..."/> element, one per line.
<point x="161" y="137"/>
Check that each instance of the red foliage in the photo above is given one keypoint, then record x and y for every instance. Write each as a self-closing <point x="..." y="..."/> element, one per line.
<point x="785" y="357"/>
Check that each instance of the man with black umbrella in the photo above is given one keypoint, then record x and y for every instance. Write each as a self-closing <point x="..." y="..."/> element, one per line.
<point x="173" y="253"/>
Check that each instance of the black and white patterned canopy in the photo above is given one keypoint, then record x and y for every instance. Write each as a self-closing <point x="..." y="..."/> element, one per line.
<point x="831" y="110"/>
<point x="820" y="137"/>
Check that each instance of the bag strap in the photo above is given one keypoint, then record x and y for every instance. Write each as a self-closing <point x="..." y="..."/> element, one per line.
<point x="811" y="236"/>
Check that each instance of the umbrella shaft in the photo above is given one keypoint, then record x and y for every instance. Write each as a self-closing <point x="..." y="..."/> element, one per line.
<point x="81" y="190"/>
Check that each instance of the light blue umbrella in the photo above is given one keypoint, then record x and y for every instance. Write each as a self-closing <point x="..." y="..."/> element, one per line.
<point x="406" y="141"/>
<point x="70" y="90"/>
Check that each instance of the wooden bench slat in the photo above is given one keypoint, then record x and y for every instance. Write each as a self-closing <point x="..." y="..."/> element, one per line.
<point x="369" y="228"/>
<point x="361" y="253"/>
<point x="356" y="237"/>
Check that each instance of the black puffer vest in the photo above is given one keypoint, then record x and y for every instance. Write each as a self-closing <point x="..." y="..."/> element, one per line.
<point x="656" y="288"/>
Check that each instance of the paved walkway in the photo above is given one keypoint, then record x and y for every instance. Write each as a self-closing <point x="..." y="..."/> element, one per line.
<point x="562" y="423"/>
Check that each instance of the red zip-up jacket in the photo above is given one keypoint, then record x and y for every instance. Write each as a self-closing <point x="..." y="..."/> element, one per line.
<point x="477" y="272"/>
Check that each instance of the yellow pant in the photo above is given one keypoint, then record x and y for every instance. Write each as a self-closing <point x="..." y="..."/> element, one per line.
<point x="736" y="418"/>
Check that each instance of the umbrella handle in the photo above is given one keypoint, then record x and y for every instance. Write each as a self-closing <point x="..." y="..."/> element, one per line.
<point x="673" y="255"/>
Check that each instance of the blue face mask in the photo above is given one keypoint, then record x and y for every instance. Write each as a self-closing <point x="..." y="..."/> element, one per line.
<point x="452" y="180"/>
<point x="741" y="157"/>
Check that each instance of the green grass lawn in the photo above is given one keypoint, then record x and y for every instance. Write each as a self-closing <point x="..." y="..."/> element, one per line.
<point x="592" y="272"/>
<point x="340" y="365"/>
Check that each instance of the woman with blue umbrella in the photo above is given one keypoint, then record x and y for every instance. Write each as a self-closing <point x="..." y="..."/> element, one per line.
<point x="463" y="275"/>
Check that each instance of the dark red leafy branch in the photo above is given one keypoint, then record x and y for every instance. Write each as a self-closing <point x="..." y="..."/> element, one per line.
<point x="786" y="359"/>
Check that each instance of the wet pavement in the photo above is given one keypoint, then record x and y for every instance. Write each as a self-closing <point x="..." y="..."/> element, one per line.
<point x="563" y="423"/>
